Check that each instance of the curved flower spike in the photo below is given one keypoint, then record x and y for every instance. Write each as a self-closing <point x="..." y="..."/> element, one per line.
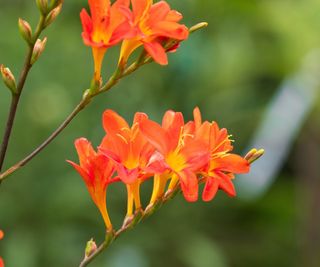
<point x="106" y="27"/>
<point x="222" y="165"/>
<point x="129" y="150"/>
<point x="96" y="171"/>
<point x="154" y="23"/>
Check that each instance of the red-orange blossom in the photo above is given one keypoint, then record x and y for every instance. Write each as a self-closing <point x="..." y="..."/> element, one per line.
<point x="186" y="154"/>
<point x="147" y="24"/>
<point x="1" y="260"/>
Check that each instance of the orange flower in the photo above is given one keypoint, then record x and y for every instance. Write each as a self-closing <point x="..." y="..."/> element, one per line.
<point x="96" y="171"/>
<point x="106" y="27"/>
<point x="130" y="151"/>
<point x="180" y="155"/>
<point x="153" y="23"/>
<point x="222" y="165"/>
<point x="1" y="260"/>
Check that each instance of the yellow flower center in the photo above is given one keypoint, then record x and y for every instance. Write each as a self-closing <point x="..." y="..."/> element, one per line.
<point x="176" y="161"/>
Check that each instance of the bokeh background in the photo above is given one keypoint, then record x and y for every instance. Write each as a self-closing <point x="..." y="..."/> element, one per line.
<point x="255" y="70"/>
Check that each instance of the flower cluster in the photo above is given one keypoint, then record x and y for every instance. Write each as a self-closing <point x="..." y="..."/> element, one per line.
<point x="177" y="155"/>
<point x="145" y="24"/>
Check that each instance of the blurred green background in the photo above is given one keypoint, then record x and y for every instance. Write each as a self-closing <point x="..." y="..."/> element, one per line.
<point x="233" y="71"/>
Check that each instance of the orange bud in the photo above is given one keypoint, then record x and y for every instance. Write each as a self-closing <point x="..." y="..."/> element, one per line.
<point x="25" y="30"/>
<point x="38" y="49"/>
<point x="1" y="260"/>
<point x="52" y="15"/>
<point x="8" y="79"/>
<point x="91" y="247"/>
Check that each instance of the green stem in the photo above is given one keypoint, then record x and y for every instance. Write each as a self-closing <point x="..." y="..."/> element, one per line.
<point x="65" y="123"/>
<point x="16" y="96"/>
<point x="83" y="103"/>
<point x="8" y="130"/>
<point x="142" y="60"/>
<point x="136" y="219"/>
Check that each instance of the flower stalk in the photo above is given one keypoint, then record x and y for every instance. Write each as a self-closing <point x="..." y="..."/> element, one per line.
<point x="87" y="98"/>
<point x="28" y="63"/>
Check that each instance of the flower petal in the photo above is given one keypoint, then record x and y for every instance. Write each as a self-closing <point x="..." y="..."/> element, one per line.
<point x="189" y="185"/>
<point x="232" y="163"/>
<point x="113" y="123"/>
<point x="155" y="135"/>
<point x="210" y="189"/>
<point x="226" y="184"/>
<point x="157" y="52"/>
<point x="84" y="150"/>
<point x="173" y="123"/>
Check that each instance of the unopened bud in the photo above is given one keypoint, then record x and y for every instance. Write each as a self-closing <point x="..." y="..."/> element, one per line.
<point x="198" y="26"/>
<point x="43" y="6"/>
<point x="8" y="79"/>
<point x="25" y="30"/>
<point x="52" y="15"/>
<point x="55" y="3"/>
<point x="253" y="155"/>
<point x="91" y="247"/>
<point x="38" y="49"/>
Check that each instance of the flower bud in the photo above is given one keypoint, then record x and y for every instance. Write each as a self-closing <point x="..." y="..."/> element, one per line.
<point x="55" y="3"/>
<point x="38" y="49"/>
<point x="198" y="26"/>
<point x="253" y="155"/>
<point x="52" y="15"/>
<point x="25" y="30"/>
<point x="43" y="6"/>
<point x="8" y="79"/>
<point x="91" y="247"/>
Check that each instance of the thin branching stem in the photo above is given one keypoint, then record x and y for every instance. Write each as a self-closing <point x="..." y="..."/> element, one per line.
<point x="115" y="78"/>
<point x="16" y="96"/>
<point x="83" y="103"/>
<point x="139" y="216"/>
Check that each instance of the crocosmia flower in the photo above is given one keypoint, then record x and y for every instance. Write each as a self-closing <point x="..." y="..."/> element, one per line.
<point x="106" y="27"/>
<point x="96" y="170"/>
<point x="179" y="155"/>
<point x="130" y="151"/>
<point x="222" y="165"/>
<point x="1" y="260"/>
<point x="153" y="24"/>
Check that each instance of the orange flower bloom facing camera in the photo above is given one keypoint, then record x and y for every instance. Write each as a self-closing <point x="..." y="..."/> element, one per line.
<point x="106" y="27"/>
<point x="222" y="165"/>
<point x="153" y="24"/>
<point x="96" y="171"/>
<point x="179" y="154"/>
<point x="129" y="150"/>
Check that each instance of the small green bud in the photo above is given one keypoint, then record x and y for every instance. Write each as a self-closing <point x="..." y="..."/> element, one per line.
<point x="55" y="3"/>
<point x="38" y="49"/>
<point x="43" y="6"/>
<point x="52" y="15"/>
<point x="25" y="30"/>
<point x="8" y="79"/>
<point x="198" y="26"/>
<point x="91" y="247"/>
